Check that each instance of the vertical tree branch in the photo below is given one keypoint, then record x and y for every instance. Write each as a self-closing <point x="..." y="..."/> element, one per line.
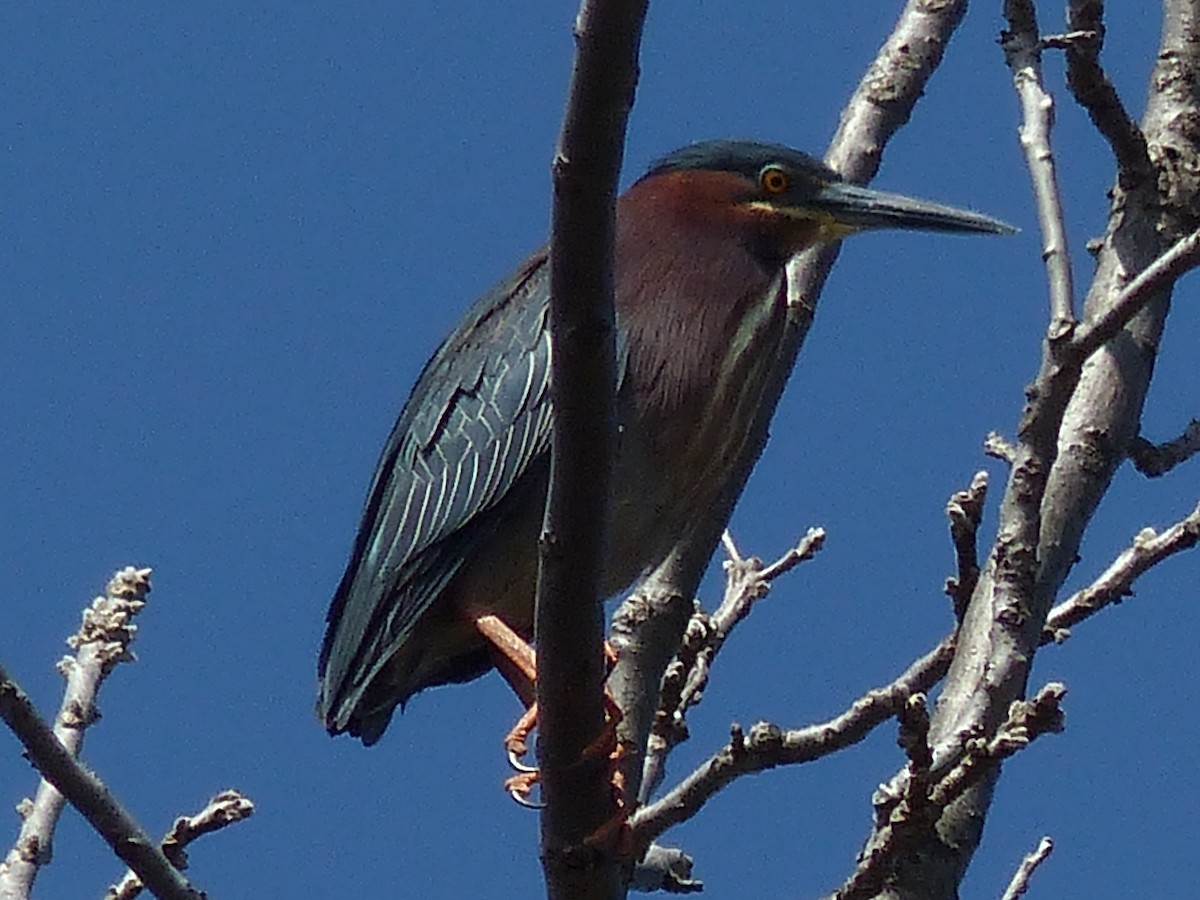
<point x="578" y="857"/>
<point x="1023" y="52"/>
<point x="1060" y="475"/>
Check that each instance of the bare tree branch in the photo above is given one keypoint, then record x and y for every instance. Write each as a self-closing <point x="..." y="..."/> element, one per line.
<point x="1157" y="277"/>
<point x="225" y="809"/>
<point x="965" y="511"/>
<point x="1096" y="94"/>
<point x="907" y="819"/>
<point x="768" y="746"/>
<point x="746" y="582"/>
<point x="86" y="793"/>
<point x="683" y="684"/>
<point x="1020" y="881"/>
<point x="1116" y="582"/>
<point x="579" y="860"/>
<point x="1023" y="52"/>
<point x="1078" y="422"/>
<point x="1153" y="460"/>
<point x="102" y="641"/>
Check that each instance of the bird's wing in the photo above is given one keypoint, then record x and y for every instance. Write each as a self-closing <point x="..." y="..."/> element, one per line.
<point x="477" y="418"/>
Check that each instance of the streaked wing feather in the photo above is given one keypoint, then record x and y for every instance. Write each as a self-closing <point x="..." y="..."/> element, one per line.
<point x="476" y="419"/>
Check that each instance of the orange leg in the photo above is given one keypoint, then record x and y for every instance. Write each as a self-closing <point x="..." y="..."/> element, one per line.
<point x="517" y="663"/>
<point x="512" y="655"/>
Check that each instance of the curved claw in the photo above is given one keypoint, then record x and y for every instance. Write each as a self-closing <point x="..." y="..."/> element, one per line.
<point x="519" y="787"/>
<point x="514" y="760"/>
<point x="523" y="799"/>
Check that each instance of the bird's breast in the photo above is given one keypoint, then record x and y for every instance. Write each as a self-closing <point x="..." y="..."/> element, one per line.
<point x="691" y="390"/>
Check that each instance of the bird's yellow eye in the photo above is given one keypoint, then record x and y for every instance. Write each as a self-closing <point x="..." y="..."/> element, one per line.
<point x="773" y="179"/>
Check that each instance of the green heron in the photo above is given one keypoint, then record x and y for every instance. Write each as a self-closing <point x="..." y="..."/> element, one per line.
<point x="445" y="561"/>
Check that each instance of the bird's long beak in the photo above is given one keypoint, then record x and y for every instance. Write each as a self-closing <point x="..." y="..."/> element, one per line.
<point x="852" y="208"/>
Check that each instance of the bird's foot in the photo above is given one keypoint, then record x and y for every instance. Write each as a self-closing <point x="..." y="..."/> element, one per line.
<point x="517" y="662"/>
<point x="516" y="742"/>
<point x="615" y="835"/>
<point x="520" y="788"/>
<point x="606" y="746"/>
<point x="516" y="745"/>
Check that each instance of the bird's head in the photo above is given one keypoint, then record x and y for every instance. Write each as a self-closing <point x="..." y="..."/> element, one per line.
<point x="790" y="197"/>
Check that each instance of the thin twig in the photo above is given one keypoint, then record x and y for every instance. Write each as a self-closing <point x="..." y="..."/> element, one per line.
<point x="908" y="816"/>
<point x="965" y="511"/>
<point x="749" y="580"/>
<point x="1159" y="276"/>
<point x="1116" y="582"/>
<point x="730" y="547"/>
<point x="686" y="677"/>
<point x="1095" y="93"/>
<point x="768" y="746"/>
<point x="1153" y="460"/>
<point x="1022" y="50"/>
<point x="225" y="809"/>
<point x="1020" y="880"/>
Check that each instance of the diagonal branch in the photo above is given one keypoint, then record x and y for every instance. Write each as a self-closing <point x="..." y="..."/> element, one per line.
<point x="1020" y="880"/>
<point x="768" y="746"/>
<point x="1157" y="277"/>
<point x="1116" y="582"/>
<point x="225" y="809"/>
<point x="87" y="793"/>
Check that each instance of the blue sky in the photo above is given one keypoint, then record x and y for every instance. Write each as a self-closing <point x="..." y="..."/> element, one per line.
<point x="232" y="234"/>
